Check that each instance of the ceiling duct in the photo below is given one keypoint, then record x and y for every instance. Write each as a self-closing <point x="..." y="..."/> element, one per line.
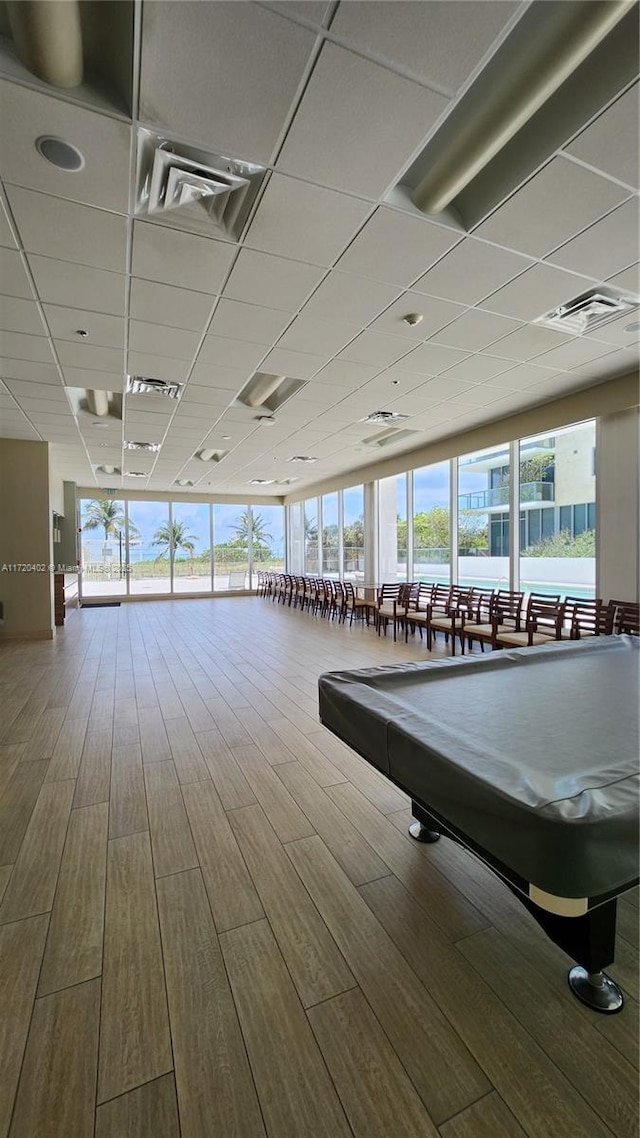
<point x="47" y="37"/>
<point x="268" y="392"/>
<point x="388" y="437"/>
<point x="588" y="311"/>
<point x="192" y="189"/>
<point x="387" y="417"/>
<point x="142" y="385"/>
<point x="545" y="48"/>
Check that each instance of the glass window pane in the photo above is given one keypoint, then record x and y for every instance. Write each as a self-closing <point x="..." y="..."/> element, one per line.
<point x="103" y="547"/>
<point x="330" y="566"/>
<point x="231" y="529"/>
<point x="150" y="542"/>
<point x="192" y="548"/>
<point x="392" y="528"/>
<point x="431" y="533"/>
<point x="483" y="518"/>
<point x="268" y="538"/>
<point x="311" y="536"/>
<point x="559" y="469"/>
<point x="353" y="532"/>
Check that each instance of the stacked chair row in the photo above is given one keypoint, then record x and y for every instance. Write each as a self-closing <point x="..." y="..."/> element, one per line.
<point x="499" y="617"/>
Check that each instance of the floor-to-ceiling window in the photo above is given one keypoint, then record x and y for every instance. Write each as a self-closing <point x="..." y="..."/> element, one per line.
<point x="431" y="524"/>
<point x="103" y="547"/>
<point x="392" y="528"/>
<point x="231" y="537"/>
<point x="353" y="533"/>
<point x="311" y="558"/>
<point x="191" y="533"/>
<point x="150" y="546"/>
<point x="330" y="536"/>
<point x="268" y="538"/>
<point x="558" y="511"/>
<point x="483" y="518"/>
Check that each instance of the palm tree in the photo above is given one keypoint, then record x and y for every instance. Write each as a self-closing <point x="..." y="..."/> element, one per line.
<point x="105" y="514"/>
<point x="255" y="526"/>
<point x="174" y="537"/>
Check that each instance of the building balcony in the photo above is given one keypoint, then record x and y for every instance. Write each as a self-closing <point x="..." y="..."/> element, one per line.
<point x="498" y="496"/>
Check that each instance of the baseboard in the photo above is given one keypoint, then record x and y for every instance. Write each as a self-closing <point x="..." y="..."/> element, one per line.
<point x="41" y="634"/>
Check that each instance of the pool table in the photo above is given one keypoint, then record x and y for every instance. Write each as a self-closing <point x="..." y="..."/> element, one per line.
<point x="529" y="759"/>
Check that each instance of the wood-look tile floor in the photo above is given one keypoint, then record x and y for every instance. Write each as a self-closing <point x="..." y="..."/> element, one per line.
<point x="213" y="923"/>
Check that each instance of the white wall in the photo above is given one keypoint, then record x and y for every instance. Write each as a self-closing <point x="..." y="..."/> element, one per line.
<point x="618" y="505"/>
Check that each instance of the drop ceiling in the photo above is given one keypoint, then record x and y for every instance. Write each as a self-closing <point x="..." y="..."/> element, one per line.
<point x="335" y="101"/>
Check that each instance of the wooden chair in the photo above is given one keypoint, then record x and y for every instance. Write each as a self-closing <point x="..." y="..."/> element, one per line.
<point x="450" y="622"/>
<point x="583" y="617"/>
<point x="416" y="614"/>
<point x="393" y="602"/>
<point x="626" y="617"/>
<point x="544" y="621"/>
<point x="503" y="614"/>
<point x="356" y="606"/>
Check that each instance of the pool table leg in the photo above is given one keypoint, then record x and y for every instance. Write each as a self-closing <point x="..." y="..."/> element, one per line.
<point x="420" y="828"/>
<point x="590" y="940"/>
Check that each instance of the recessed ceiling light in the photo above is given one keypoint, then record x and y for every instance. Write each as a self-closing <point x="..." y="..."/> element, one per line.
<point x="60" y="153"/>
<point x="143" y="385"/>
<point x="226" y="438"/>
<point x="412" y="318"/>
<point x="142" y="446"/>
<point x="82" y="332"/>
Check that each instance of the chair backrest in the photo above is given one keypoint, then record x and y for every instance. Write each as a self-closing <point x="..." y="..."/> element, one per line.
<point x="507" y="606"/>
<point x="405" y="595"/>
<point x="388" y="593"/>
<point x="583" y="615"/>
<point x="545" y="613"/>
<point x="460" y="597"/>
<point x="440" y="596"/>
<point x="626" y="617"/>
<point x="421" y="596"/>
<point x="482" y="606"/>
<point x="349" y="592"/>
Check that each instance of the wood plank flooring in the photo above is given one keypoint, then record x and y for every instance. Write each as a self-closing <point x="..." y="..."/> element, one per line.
<point x="213" y="922"/>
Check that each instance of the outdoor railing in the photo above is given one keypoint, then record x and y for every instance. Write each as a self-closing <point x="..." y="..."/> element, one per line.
<point x="499" y="496"/>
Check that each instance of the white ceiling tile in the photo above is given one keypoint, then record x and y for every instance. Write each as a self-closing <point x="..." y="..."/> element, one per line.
<point x="550" y="208"/>
<point x="537" y="291"/>
<point x="78" y="286"/>
<point x="103" y="331"/>
<point x="223" y="74"/>
<point x="471" y="271"/>
<point x="438" y="42"/>
<point x="176" y="343"/>
<point x="313" y="10"/>
<point x="574" y="354"/>
<point x="150" y="404"/>
<point x="345" y="106"/>
<point x="172" y="257"/>
<point x="45" y="407"/>
<point x="29" y="371"/>
<point x="22" y="389"/>
<point x="522" y="376"/>
<point x="304" y="221"/>
<point x="6" y="236"/>
<point x="444" y="388"/>
<point x="296" y="365"/>
<point x="376" y="349"/>
<point x="611" y="142"/>
<point x="157" y="367"/>
<point x="97" y="380"/>
<point x="628" y="280"/>
<point x="225" y="379"/>
<point x="174" y="307"/>
<point x="429" y="359"/>
<point x="15" y="345"/>
<point x="250" y="322"/>
<point x="103" y="142"/>
<point x="18" y="315"/>
<point x="53" y="227"/>
<point x="478" y="368"/>
<point x="435" y="314"/>
<point x="257" y="277"/>
<point x="209" y="396"/>
<point x="228" y="352"/>
<point x="622" y="332"/>
<point x="529" y="341"/>
<point x="13" y="279"/>
<point x="607" y="247"/>
<point x="89" y="356"/>
<point x="474" y="330"/>
<point x="321" y="338"/>
<point x="395" y="247"/>
<point x="342" y="296"/>
<point x="346" y="373"/>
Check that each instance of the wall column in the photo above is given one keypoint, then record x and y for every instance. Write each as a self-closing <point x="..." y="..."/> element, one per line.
<point x="618" y="505"/>
<point x="25" y="541"/>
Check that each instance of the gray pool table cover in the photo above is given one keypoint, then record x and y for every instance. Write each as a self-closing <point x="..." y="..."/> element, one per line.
<point x="530" y="753"/>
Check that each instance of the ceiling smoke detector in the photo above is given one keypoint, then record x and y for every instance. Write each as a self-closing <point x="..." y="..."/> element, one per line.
<point x="142" y="446"/>
<point x="143" y="385"/>
<point x="588" y="311"/>
<point x="201" y="190"/>
<point x="385" y="417"/>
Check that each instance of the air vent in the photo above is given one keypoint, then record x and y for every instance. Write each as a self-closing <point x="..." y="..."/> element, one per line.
<point x="211" y="455"/>
<point x="142" y="385"/>
<point x="388" y="437"/>
<point x="135" y="474"/>
<point x="268" y="391"/>
<point x="184" y="482"/>
<point x="384" y="417"/>
<point x="588" y="311"/>
<point x="261" y="481"/>
<point x="302" y="458"/>
<point x="142" y="446"/>
<point x="197" y="190"/>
